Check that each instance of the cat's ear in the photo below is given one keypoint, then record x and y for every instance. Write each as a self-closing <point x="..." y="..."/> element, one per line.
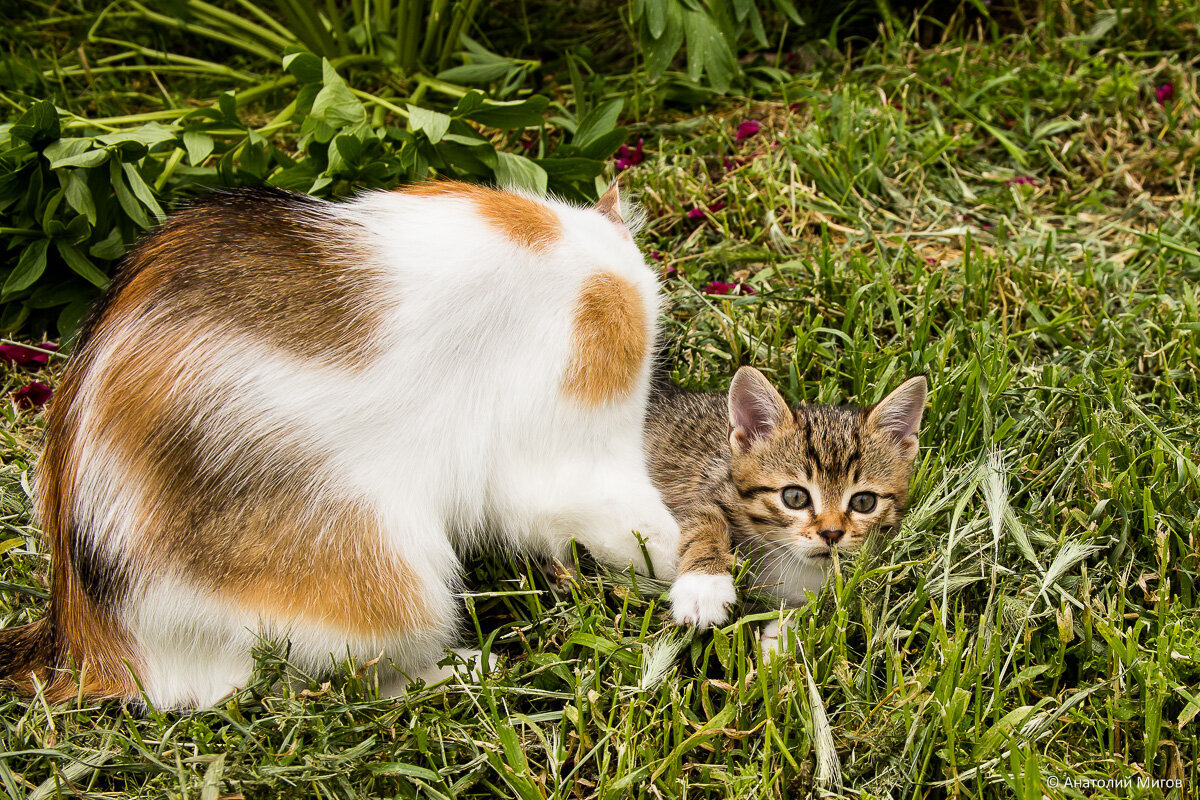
<point x="609" y="205"/>
<point x="756" y="409"/>
<point x="899" y="414"/>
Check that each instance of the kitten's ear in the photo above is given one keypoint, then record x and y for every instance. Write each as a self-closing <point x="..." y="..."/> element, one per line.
<point x="756" y="409"/>
<point x="899" y="414"/>
<point x="609" y="205"/>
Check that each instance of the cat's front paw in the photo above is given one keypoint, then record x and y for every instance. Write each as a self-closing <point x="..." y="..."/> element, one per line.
<point x="702" y="600"/>
<point x="775" y="637"/>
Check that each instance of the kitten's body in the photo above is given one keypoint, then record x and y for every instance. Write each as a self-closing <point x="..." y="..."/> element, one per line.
<point x="722" y="463"/>
<point x="288" y="418"/>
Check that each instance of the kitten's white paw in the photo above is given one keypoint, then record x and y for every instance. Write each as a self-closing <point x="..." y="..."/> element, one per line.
<point x="774" y="638"/>
<point x="702" y="600"/>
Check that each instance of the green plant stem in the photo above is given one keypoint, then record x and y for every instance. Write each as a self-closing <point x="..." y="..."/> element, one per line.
<point x="280" y="36"/>
<point x="209" y="66"/>
<point x="266" y="18"/>
<point x="379" y="101"/>
<point x="169" y="168"/>
<point x="461" y="20"/>
<point x="179" y="68"/>
<point x="451" y="89"/>
<point x="209" y="33"/>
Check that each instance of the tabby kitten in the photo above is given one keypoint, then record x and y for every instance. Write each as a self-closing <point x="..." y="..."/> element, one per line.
<point x="781" y="487"/>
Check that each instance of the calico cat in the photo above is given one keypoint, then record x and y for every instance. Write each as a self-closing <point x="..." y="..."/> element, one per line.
<point x="287" y="419"/>
<point x="782" y="487"/>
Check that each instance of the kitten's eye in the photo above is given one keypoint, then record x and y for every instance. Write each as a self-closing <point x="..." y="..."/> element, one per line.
<point x="795" y="497"/>
<point x="863" y="502"/>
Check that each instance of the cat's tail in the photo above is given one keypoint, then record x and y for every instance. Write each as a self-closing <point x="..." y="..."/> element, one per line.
<point x="29" y="655"/>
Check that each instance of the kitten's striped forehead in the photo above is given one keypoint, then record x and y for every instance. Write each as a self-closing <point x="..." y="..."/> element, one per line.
<point x="832" y="447"/>
<point x="828" y="442"/>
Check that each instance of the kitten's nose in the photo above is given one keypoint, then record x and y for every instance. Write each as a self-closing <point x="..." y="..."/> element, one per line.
<point x="831" y="535"/>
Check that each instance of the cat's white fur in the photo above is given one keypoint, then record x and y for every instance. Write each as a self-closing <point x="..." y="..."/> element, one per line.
<point x="457" y="436"/>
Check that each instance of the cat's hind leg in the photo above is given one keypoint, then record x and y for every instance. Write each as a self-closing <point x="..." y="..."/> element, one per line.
<point x="193" y="650"/>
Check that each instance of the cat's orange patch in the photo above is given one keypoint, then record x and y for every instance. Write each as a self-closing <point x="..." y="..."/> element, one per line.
<point x="269" y="540"/>
<point x="609" y="340"/>
<point x="330" y="572"/>
<point x="523" y="220"/>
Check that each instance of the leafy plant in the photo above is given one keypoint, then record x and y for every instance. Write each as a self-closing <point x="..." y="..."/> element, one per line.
<point x="408" y="34"/>
<point x="711" y="33"/>
<point x="72" y="198"/>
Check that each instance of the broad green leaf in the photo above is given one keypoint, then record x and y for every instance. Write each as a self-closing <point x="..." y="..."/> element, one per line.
<point x="708" y="51"/>
<point x="433" y="124"/>
<point x="13" y="316"/>
<point x="476" y="73"/>
<point x="466" y="139"/>
<point x="70" y="317"/>
<point x="599" y="121"/>
<point x="660" y="52"/>
<point x="142" y="191"/>
<point x="199" y="146"/>
<point x="81" y="265"/>
<point x="510" y="114"/>
<point x="471" y="101"/>
<point x="61" y="153"/>
<point x="656" y="17"/>
<point x="85" y="160"/>
<point x="344" y="152"/>
<point x="149" y="134"/>
<point x="30" y="267"/>
<point x="37" y="124"/>
<point x="227" y="103"/>
<point x="571" y="170"/>
<point x="520" y="172"/>
<point x="57" y="295"/>
<point x="605" y="145"/>
<point x="109" y="248"/>
<point x="78" y="194"/>
<point x="128" y="202"/>
<point x="335" y="103"/>
<point x="305" y="66"/>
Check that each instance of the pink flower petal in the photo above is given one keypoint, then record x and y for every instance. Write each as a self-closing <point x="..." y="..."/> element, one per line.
<point x="21" y="356"/>
<point x="32" y="394"/>
<point x="747" y="129"/>
<point x="721" y="287"/>
<point x="1164" y="92"/>
<point x="626" y="158"/>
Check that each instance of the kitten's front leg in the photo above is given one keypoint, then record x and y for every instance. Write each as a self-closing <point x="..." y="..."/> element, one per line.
<point x="704" y="591"/>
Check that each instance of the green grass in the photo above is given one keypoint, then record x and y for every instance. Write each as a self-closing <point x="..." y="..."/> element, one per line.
<point x="1032" y="626"/>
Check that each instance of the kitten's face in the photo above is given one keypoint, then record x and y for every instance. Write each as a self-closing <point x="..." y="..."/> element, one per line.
<point x="821" y="477"/>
